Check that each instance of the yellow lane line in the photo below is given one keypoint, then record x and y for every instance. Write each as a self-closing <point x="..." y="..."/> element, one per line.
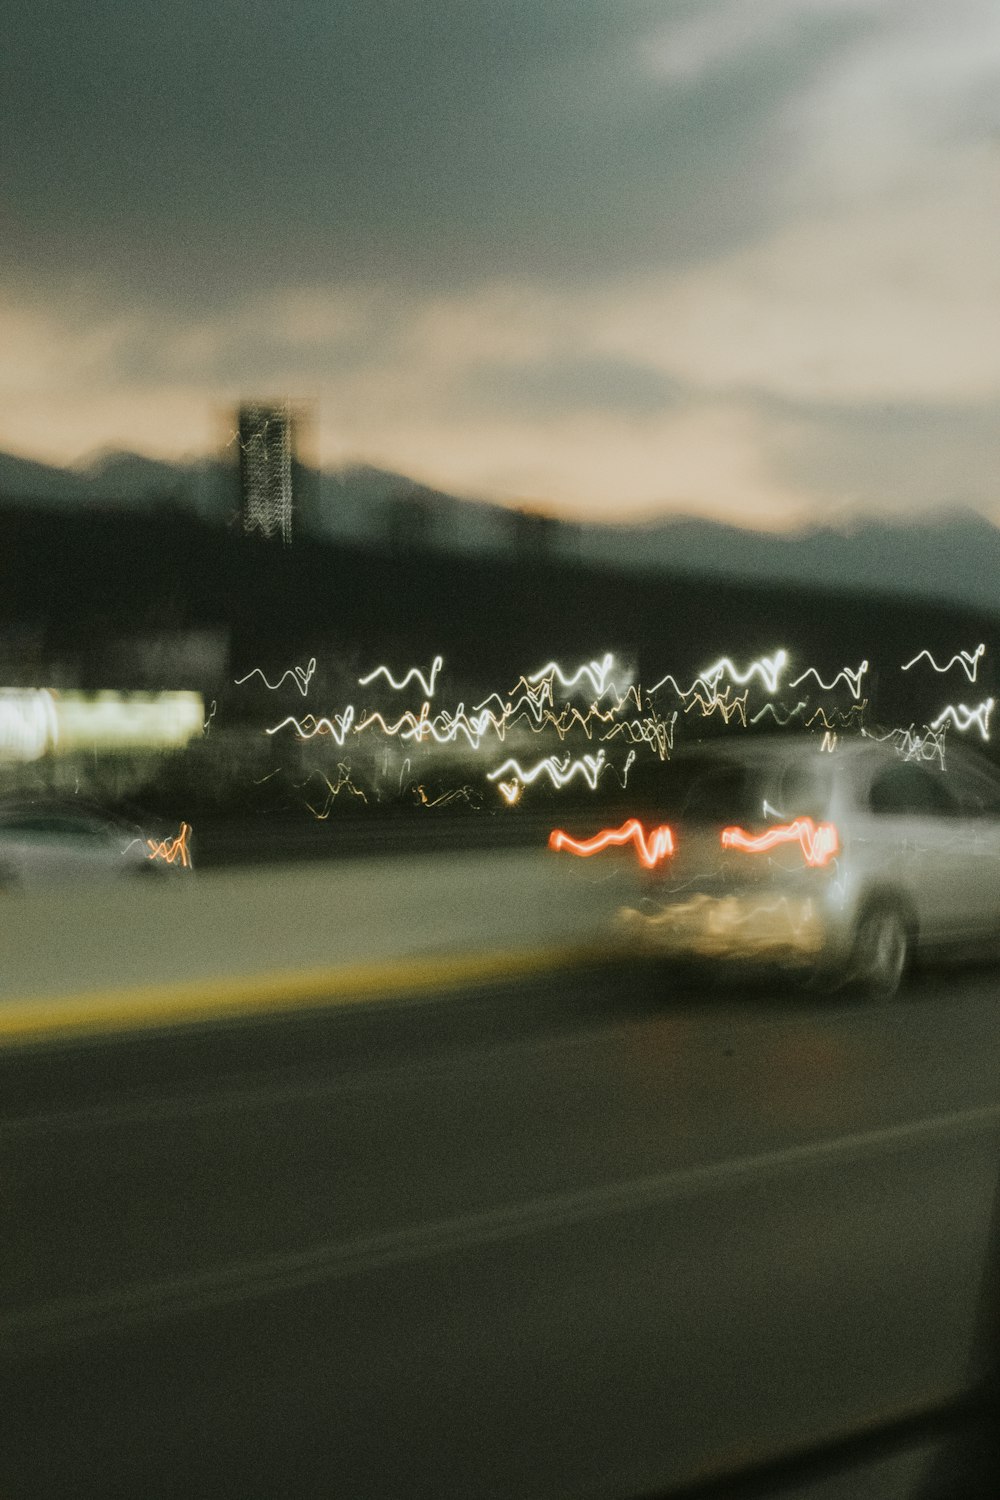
<point x="144" y="1007"/>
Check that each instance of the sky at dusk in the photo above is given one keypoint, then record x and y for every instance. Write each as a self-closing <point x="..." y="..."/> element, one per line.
<point x="734" y="258"/>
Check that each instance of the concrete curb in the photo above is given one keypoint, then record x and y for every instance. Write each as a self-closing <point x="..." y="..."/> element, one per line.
<point x="39" y="1019"/>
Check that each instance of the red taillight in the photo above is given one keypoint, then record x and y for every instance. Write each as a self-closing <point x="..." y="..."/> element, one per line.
<point x="819" y="843"/>
<point x="649" y="850"/>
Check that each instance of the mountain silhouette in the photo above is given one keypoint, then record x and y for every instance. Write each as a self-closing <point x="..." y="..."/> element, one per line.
<point x="945" y="555"/>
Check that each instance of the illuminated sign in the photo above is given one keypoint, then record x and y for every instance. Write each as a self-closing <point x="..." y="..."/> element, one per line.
<point x="28" y="725"/>
<point x="39" y="721"/>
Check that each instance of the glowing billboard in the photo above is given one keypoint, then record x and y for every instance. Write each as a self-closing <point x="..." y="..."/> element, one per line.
<point x="43" y="721"/>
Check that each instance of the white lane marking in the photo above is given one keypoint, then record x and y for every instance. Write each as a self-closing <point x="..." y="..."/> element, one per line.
<point x="66" y="1319"/>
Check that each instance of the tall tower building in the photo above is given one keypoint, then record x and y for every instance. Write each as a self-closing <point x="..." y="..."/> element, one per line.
<point x="266" y="438"/>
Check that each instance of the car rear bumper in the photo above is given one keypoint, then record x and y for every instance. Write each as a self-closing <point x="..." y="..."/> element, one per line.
<point x="747" y="925"/>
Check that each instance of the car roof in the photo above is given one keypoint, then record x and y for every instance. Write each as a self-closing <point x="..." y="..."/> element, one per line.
<point x="775" y="748"/>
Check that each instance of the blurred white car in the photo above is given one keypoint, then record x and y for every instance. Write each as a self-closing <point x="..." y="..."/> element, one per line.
<point x="847" y="864"/>
<point x="47" y="841"/>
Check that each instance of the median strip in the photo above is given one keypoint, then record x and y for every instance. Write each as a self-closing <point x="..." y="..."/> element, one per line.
<point x="34" y="1019"/>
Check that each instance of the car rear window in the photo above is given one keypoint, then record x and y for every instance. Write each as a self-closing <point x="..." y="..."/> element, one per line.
<point x="728" y="791"/>
<point x="805" y="789"/>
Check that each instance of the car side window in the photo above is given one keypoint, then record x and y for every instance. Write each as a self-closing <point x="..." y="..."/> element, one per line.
<point x="910" y="789"/>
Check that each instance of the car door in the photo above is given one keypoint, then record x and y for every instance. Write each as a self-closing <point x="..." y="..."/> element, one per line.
<point x="976" y="789"/>
<point x="918" y="846"/>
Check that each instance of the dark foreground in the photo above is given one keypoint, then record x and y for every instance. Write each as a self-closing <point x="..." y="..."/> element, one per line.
<point x="582" y="1238"/>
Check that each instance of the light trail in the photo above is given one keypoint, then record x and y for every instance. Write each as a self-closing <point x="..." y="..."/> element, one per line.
<point x="534" y="699"/>
<point x="339" y="730"/>
<point x="656" y="732"/>
<point x="538" y="706"/>
<point x="455" y="724"/>
<point x="649" y="851"/>
<point x="597" y="671"/>
<point x="964" y="717"/>
<point x="391" y="730"/>
<point x="681" y="693"/>
<point x="467" y="794"/>
<point x="967" y="660"/>
<point x="839" y="716"/>
<point x="720" y="703"/>
<point x="334" y="789"/>
<point x="562" y="728"/>
<point x="444" y="728"/>
<point x="301" y="676"/>
<point x="818" y="844"/>
<point x="767" y="668"/>
<point x="172" y="850"/>
<point x="426" y="683"/>
<point x="634" y="693"/>
<point x="734" y="927"/>
<point x="775" y="712"/>
<point x="589" y="767"/>
<point x="623" y="778"/>
<point x="851" y="677"/>
<point x="913" y="746"/>
<point x="452" y="725"/>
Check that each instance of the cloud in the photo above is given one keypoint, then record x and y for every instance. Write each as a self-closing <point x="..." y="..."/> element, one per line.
<point x="885" y="458"/>
<point x="897" y="104"/>
<point x="884" y="302"/>
<point x="581" y="385"/>
<point x="716" y="36"/>
<point x="193" y="154"/>
<point x="740" y="259"/>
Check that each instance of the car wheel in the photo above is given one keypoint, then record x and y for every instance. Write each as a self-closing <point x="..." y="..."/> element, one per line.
<point x="881" y="952"/>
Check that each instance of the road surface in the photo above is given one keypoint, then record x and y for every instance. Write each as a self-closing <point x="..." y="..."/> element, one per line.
<point x="586" y="1236"/>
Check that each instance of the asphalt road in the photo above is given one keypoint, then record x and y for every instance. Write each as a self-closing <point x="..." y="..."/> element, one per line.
<point x="591" y="1236"/>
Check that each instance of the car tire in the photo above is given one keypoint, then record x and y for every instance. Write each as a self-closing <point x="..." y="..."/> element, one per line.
<point x="882" y="951"/>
